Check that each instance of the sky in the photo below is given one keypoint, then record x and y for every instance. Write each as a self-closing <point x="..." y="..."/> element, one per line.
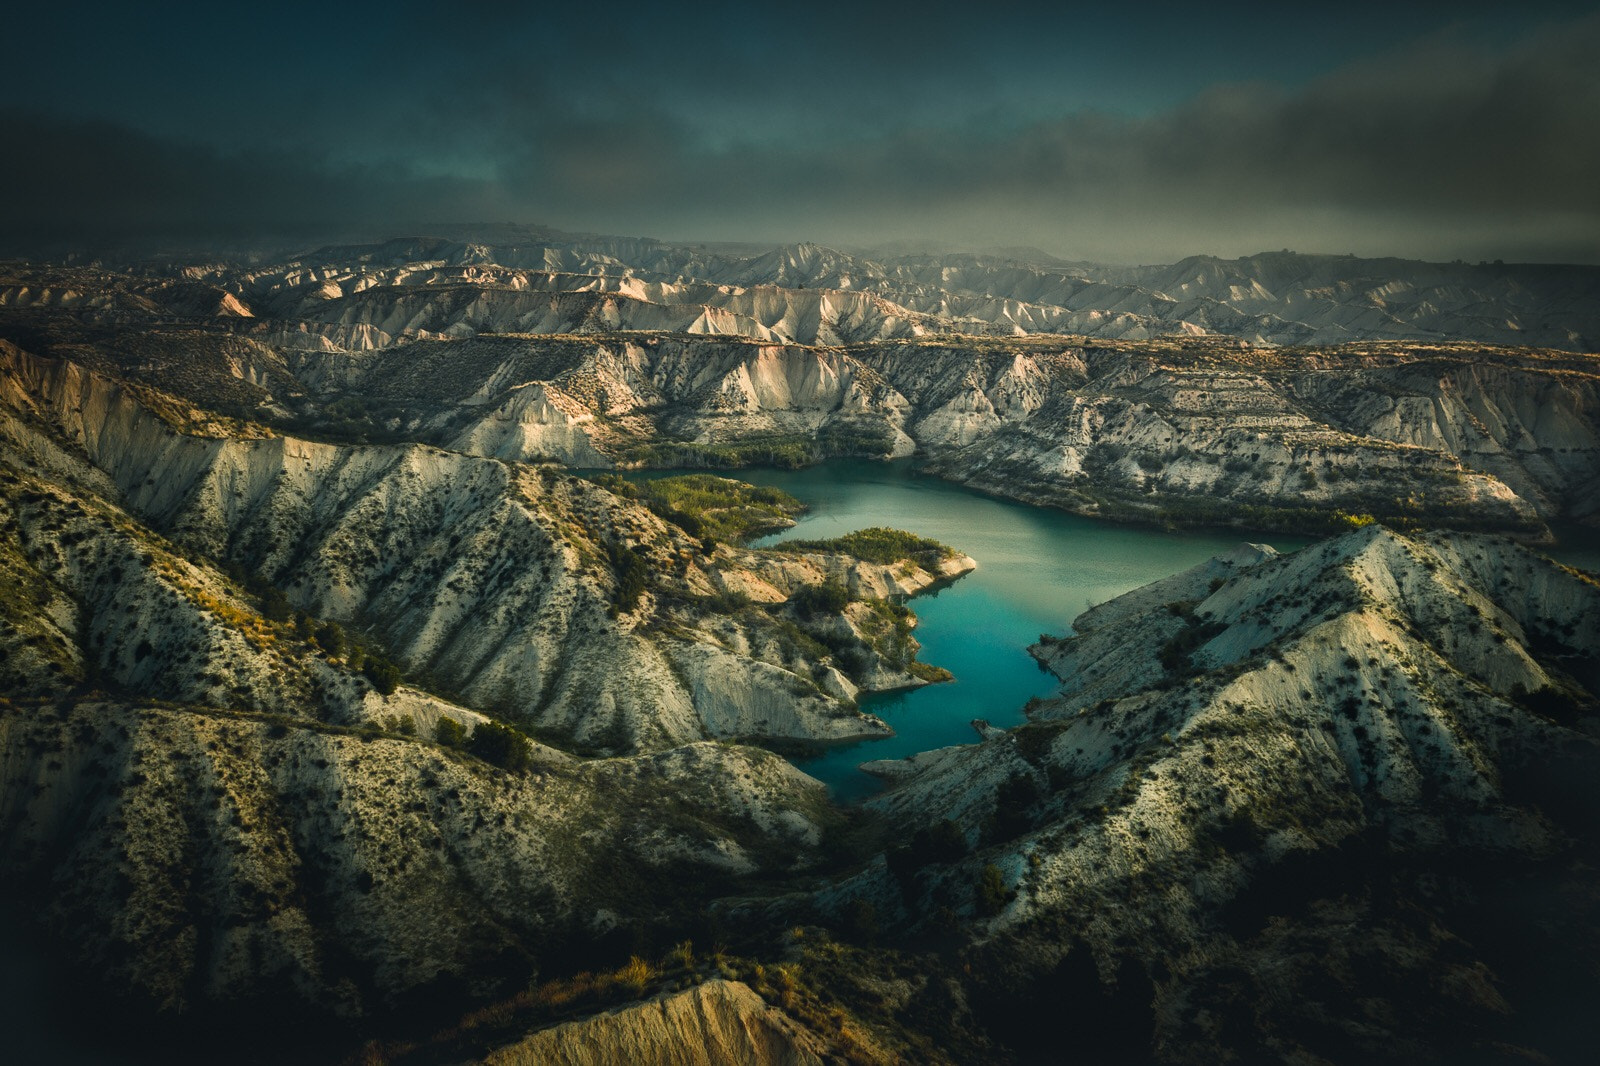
<point x="1114" y="132"/>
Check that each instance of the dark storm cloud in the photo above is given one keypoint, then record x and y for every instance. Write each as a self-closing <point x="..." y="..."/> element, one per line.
<point x="1447" y="148"/>
<point x="1444" y="147"/>
<point x="87" y="180"/>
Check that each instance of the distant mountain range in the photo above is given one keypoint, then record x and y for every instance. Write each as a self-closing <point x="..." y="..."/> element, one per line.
<point x="807" y="293"/>
<point x="1162" y="393"/>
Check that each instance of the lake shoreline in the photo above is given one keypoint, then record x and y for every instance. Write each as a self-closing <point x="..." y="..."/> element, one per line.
<point x="1039" y="567"/>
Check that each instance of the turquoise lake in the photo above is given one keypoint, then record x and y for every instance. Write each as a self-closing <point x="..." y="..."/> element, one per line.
<point x="1037" y="570"/>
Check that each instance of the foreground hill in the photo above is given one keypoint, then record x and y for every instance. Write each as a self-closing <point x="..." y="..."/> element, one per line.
<point x="211" y="794"/>
<point x="1316" y="807"/>
<point x="197" y="860"/>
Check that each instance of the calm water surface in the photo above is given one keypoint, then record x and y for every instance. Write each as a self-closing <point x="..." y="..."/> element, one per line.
<point x="1037" y="570"/>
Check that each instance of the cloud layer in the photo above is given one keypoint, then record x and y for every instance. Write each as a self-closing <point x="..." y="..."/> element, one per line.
<point x="1444" y="148"/>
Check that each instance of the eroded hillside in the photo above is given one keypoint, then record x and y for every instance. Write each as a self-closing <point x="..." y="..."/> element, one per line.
<point x="1201" y="398"/>
<point x="1265" y="782"/>
<point x="201" y="860"/>
<point x="518" y="590"/>
<point x="341" y="677"/>
<point x="214" y="795"/>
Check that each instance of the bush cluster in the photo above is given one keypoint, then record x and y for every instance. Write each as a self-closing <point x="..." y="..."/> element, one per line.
<point x="877" y="545"/>
<point x="497" y="744"/>
<point x="830" y="597"/>
<point x="633" y="575"/>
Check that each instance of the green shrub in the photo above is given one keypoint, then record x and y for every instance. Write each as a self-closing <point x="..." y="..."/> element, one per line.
<point x="274" y="605"/>
<point x="633" y="576"/>
<point x="943" y="842"/>
<point x="1014" y="802"/>
<point x="447" y="732"/>
<point x="729" y="602"/>
<point x="992" y="894"/>
<point x="1177" y="654"/>
<point x="830" y="597"/>
<point x="500" y="745"/>
<point x="330" y="638"/>
<point x="1549" y="702"/>
<point x="384" y="675"/>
